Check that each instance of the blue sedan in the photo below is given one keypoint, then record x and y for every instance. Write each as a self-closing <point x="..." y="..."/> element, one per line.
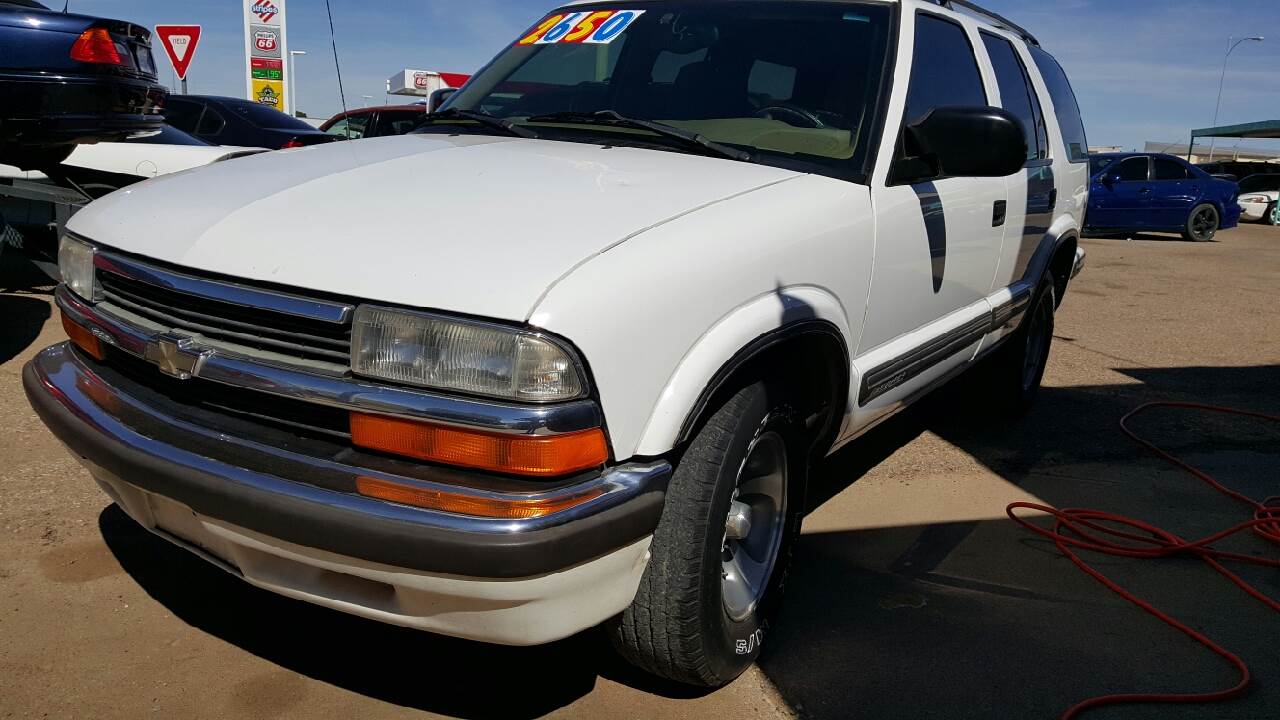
<point x="1158" y="193"/>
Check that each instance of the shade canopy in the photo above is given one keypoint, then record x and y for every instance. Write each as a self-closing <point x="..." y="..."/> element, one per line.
<point x="1264" y="129"/>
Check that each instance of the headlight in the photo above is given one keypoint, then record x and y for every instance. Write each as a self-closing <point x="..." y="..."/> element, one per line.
<point x="75" y="263"/>
<point x="461" y="355"/>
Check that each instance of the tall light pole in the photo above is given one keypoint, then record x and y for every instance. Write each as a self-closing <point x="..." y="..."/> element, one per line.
<point x="293" y="85"/>
<point x="1232" y="44"/>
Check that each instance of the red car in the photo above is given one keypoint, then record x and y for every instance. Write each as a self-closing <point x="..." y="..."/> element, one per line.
<point x="375" y="121"/>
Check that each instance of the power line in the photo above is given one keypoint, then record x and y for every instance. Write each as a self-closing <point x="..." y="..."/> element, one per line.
<point x="337" y="65"/>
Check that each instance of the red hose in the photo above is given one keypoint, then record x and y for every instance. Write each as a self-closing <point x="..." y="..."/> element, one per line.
<point x="1076" y="528"/>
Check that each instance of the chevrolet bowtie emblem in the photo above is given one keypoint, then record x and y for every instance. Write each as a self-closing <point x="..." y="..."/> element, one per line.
<point x="177" y="356"/>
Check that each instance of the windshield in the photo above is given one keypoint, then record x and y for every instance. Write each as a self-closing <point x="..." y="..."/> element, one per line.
<point x="1260" y="183"/>
<point x="795" y="84"/>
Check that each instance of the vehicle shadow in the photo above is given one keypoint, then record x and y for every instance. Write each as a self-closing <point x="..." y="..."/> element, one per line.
<point x="945" y="619"/>
<point x="972" y="618"/>
<point x="23" y="312"/>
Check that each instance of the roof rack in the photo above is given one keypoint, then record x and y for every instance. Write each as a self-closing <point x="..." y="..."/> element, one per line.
<point x="999" y="20"/>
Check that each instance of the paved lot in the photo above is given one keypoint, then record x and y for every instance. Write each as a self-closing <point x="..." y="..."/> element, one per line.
<point x="913" y="596"/>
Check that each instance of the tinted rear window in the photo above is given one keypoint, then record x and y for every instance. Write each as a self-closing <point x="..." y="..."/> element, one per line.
<point x="1257" y="183"/>
<point x="1166" y="169"/>
<point x="1064" y="105"/>
<point x="265" y="117"/>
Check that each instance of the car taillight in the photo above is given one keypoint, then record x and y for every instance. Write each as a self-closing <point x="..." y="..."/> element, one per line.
<point x="96" y="46"/>
<point x="293" y="143"/>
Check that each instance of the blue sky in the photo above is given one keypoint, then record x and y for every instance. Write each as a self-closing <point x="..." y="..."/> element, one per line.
<point x="1144" y="69"/>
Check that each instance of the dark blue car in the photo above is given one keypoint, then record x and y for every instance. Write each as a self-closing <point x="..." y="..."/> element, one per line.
<point x="1158" y="193"/>
<point x="67" y="79"/>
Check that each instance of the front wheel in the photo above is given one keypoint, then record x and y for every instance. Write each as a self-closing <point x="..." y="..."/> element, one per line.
<point x="721" y="553"/>
<point x="1272" y="215"/>
<point x="1203" y="224"/>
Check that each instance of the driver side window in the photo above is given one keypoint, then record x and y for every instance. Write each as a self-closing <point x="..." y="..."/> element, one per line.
<point x="944" y="73"/>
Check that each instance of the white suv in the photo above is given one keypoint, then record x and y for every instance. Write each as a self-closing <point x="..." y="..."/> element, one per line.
<point x="565" y="355"/>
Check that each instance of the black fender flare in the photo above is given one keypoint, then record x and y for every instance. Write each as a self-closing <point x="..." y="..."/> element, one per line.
<point x="757" y="349"/>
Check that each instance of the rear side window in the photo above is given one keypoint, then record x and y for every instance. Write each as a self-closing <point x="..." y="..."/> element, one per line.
<point x="1166" y="169"/>
<point x="1064" y="105"/>
<point x="1132" y="170"/>
<point x="944" y="72"/>
<point x="1016" y="94"/>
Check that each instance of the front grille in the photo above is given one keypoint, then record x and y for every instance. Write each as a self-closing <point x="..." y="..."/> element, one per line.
<point x="300" y="417"/>
<point x="252" y="329"/>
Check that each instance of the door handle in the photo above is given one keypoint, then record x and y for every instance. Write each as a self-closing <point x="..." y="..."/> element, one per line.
<point x="1145" y="191"/>
<point x="999" y="213"/>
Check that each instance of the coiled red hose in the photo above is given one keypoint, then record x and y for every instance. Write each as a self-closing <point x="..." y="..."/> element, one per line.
<point x="1110" y="534"/>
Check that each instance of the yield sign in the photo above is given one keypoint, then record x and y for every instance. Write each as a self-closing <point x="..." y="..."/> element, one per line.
<point x="180" y="44"/>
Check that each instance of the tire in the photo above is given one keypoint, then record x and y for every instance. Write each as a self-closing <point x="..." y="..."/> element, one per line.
<point x="1202" y="224"/>
<point x="1018" y="366"/>
<point x="694" y="618"/>
<point x="1272" y="216"/>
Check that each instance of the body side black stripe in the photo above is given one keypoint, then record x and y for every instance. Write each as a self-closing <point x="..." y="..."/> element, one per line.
<point x="915" y="362"/>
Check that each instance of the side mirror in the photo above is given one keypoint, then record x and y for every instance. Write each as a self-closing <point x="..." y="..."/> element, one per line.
<point x="439" y="98"/>
<point x="966" y="142"/>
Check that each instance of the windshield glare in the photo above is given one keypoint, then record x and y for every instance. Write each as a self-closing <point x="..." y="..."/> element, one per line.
<point x="796" y="84"/>
<point x="1098" y="164"/>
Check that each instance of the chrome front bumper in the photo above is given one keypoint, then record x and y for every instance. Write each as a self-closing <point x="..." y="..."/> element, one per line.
<point x="274" y="490"/>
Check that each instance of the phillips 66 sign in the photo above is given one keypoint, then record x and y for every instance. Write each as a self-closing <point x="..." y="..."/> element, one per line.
<point x="266" y="49"/>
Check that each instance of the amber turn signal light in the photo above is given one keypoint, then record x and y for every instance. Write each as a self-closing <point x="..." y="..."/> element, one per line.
<point x="473" y="505"/>
<point x="82" y="338"/>
<point x="534" y="455"/>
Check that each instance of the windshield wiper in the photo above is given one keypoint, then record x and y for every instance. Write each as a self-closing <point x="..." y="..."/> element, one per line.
<point x="495" y="123"/>
<point x="615" y="119"/>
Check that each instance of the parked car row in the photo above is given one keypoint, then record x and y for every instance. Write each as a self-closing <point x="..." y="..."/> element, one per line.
<point x="67" y="79"/>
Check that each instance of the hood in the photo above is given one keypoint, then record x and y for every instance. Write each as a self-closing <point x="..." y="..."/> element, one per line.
<point x="472" y="224"/>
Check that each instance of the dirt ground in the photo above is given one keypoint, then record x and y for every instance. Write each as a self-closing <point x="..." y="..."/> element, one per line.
<point x="913" y="596"/>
